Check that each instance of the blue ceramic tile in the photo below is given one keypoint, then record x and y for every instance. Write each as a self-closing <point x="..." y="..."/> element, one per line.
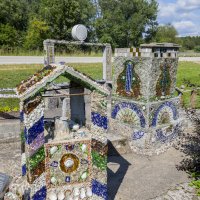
<point x="21" y="116"/>
<point x="33" y="132"/>
<point x="67" y="179"/>
<point x="99" y="189"/>
<point x="40" y="194"/>
<point x="24" y="170"/>
<point x="54" y="164"/>
<point x="99" y="120"/>
<point x="137" y="135"/>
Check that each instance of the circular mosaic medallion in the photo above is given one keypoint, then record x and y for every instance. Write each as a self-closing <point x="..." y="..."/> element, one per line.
<point x="69" y="163"/>
<point x="128" y="116"/>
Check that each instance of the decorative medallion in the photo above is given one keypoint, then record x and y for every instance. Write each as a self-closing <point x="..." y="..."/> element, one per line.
<point x="164" y="82"/>
<point x="69" y="163"/>
<point x="165" y="114"/>
<point x="128" y="82"/>
<point x="129" y="113"/>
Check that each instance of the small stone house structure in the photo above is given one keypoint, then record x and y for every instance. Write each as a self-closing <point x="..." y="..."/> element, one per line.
<point x="73" y="163"/>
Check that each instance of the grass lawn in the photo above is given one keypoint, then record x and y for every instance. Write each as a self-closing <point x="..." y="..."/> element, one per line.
<point x="11" y="75"/>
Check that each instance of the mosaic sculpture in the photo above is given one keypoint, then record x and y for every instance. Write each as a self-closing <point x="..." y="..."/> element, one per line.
<point x="144" y="104"/>
<point x="74" y="164"/>
<point x="141" y="106"/>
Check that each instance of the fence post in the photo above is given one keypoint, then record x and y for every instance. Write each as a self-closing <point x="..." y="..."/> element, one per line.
<point x="193" y="98"/>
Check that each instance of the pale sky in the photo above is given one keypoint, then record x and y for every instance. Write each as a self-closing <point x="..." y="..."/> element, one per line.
<point x="184" y="15"/>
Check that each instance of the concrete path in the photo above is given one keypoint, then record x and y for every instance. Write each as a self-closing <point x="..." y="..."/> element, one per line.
<point x="40" y="59"/>
<point x="130" y="176"/>
<point x="142" y="178"/>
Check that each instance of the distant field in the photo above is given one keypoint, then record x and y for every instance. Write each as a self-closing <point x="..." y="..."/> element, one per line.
<point x="11" y="75"/>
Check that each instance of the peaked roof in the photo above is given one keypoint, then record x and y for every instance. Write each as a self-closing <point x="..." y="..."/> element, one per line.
<point x="39" y="80"/>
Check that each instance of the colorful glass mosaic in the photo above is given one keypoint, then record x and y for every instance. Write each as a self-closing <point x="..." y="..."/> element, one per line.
<point x="68" y="163"/>
<point x="134" y="113"/>
<point x="128" y="82"/>
<point x="168" y="104"/>
<point x="40" y="194"/>
<point x="168" y="134"/>
<point x="99" y="189"/>
<point x="33" y="132"/>
<point x="99" y="147"/>
<point x="137" y="135"/>
<point x="164" y="81"/>
<point x="100" y="121"/>
<point x="23" y="170"/>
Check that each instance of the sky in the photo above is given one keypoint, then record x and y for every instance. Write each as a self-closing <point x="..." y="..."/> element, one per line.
<point x="184" y="15"/>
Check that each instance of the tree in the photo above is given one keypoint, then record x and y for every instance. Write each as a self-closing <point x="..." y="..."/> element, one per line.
<point x="14" y="13"/>
<point x="62" y="15"/>
<point x="166" y="33"/>
<point x="123" y="23"/>
<point x="36" y="33"/>
<point x="8" y="35"/>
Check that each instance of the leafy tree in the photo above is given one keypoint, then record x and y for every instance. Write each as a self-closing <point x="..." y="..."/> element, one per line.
<point x="14" y="13"/>
<point x="123" y="23"/>
<point x="62" y="15"/>
<point x="8" y="35"/>
<point x="36" y="33"/>
<point x="166" y="33"/>
<point x="197" y="49"/>
<point x="189" y="43"/>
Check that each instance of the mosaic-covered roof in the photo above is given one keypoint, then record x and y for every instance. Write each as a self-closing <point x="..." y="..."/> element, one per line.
<point x="49" y="73"/>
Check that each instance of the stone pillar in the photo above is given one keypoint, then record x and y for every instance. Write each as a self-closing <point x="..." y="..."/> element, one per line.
<point x="64" y="109"/>
<point x="49" y="52"/>
<point x="107" y="63"/>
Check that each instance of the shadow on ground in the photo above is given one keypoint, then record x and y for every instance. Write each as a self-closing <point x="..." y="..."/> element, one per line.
<point x="119" y="169"/>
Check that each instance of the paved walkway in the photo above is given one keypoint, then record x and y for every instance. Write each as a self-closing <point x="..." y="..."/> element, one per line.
<point x="131" y="177"/>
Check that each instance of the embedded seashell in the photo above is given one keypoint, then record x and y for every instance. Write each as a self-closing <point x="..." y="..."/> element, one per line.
<point x="76" y="127"/>
<point x="82" y="194"/>
<point x="61" y="195"/>
<point x="67" y="193"/>
<point x="53" y="180"/>
<point x="84" y="175"/>
<point x="81" y="133"/>
<point x="76" y="192"/>
<point x="52" y="196"/>
<point x="69" y="163"/>
<point x="53" y="150"/>
<point x="83" y="147"/>
<point x="88" y="192"/>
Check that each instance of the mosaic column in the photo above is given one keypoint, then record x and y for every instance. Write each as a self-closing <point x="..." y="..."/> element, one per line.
<point x="33" y="159"/>
<point x="99" y="146"/>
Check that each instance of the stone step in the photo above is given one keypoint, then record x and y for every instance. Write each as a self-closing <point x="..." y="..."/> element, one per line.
<point x="117" y="145"/>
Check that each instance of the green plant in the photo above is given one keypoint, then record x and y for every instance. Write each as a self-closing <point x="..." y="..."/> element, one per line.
<point x="197" y="49"/>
